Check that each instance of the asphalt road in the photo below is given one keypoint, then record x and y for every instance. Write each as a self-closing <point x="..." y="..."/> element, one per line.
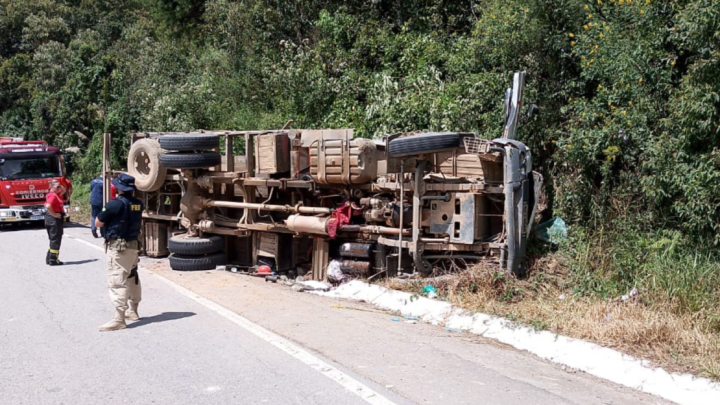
<point x="185" y="351"/>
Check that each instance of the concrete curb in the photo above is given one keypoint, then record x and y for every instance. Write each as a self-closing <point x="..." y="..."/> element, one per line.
<point x="593" y="359"/>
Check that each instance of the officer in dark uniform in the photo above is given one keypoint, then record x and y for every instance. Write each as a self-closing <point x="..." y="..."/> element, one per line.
<point x="120" y="222"/>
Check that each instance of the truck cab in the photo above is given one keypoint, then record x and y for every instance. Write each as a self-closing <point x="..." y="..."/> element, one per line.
<point x="26" y="170"/>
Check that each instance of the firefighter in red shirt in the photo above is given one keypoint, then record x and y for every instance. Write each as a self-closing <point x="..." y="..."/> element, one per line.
<point x="54" y="221"/>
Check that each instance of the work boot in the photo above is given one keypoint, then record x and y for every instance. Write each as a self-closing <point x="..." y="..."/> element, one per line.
<point x="47" y="259"/>
<point x="94" y="233"/>
<point x="53" y="260"/>
<point x="131" y="314"/>
<point x="117" y="323"/>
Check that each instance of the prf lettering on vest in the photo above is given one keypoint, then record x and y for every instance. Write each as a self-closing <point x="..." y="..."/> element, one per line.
<point x="135" y="207"/>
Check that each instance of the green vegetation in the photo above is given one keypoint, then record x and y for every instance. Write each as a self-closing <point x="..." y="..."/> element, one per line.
<point x="628" y="90"/>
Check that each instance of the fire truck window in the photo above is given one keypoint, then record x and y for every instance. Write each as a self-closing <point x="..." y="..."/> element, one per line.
<point x="30" y="168"/>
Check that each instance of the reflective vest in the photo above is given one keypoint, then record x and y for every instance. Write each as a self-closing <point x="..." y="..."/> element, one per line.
<point x="127" y="224"/>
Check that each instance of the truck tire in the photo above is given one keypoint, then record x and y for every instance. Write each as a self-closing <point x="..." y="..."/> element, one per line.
<point x="145" y="164"/>
<point x="430" y="142"/>
<point x="189" y="160"/>
<point x="192" y="263"/>
<point x="193" y="245"/>
<point x="189" y="142"/>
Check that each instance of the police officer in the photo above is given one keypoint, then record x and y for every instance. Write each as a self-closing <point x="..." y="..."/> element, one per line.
<point x="54" y="222"/>
<point x="120" y="223"/>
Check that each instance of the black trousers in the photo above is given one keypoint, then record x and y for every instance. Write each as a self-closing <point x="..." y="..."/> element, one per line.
<point x="54" y="227"/>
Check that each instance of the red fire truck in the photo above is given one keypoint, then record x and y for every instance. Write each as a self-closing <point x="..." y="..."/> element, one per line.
<point x="26" y="169"/>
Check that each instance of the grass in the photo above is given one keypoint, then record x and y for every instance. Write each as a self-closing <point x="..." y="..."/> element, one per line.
<point x="81" y="200"/>
<point x="673" y="321"/>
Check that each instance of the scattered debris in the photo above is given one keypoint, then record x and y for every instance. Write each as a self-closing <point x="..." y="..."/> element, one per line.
<point x="334" y="273"/>
<point x="312" y="285"/>
<point x="430" y="291"/>
<point x="553" y="231"/>
<point x="632" y="294"/>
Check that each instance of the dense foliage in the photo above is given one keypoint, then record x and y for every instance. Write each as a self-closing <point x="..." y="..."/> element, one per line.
<point x="629" y="90"/>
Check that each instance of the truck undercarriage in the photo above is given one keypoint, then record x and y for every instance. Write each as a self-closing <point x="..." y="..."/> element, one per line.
<point x="296" y="199"/>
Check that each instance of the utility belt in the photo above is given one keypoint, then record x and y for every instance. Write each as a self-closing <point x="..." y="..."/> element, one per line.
<point x="62" y="215"/>
<point x="120" y="244"/>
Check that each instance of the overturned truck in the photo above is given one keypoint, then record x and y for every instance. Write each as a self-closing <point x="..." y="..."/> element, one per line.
<point x="296" y="199"/>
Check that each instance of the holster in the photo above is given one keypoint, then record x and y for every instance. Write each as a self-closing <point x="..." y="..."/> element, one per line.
<point x="117" y="244"/>
<point x="134" y="274"/>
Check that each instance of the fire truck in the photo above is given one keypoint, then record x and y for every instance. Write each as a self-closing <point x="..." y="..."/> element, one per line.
<point x="26" y="170"/>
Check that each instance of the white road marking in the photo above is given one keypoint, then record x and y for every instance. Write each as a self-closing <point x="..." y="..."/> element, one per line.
<point x="349" y="383"/>
<point x="354" y="386"/>
<point x="84" y="242"/>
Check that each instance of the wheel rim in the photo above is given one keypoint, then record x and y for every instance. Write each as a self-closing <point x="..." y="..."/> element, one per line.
<point x="142" y="164"/>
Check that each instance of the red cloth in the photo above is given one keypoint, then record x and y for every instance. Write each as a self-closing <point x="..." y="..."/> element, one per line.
<point x="55" y="202"/>
<point x="113" y="192"/>
<point x="341" y="217"/>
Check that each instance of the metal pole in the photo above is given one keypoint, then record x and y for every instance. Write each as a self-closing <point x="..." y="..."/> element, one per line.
<point x="267" y="207"/>
<point x="402" y="210"/>
<point x="106" y="167"/>
<point x="417" y="247"/>
<point x="374" y="229"/>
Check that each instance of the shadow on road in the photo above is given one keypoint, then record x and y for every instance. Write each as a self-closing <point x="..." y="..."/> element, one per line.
<point x="25" y="225"/>
<point x="80" y="262"/>
<point x="76" y="225"/>
<point x="165" y="316"/>
<point x="20" y="226"/>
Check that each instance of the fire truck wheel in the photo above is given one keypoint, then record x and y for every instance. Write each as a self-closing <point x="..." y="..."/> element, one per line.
<point x="193" y="245"/>
<point x="189" y="142"/>
<point x="431" y="142"/>
<point x="144" y="163"/>
<point x="189" y="160"/>
<point x="191" y="263"/>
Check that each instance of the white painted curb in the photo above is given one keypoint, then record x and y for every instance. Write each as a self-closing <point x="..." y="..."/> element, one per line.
<point x="578" y="354"/>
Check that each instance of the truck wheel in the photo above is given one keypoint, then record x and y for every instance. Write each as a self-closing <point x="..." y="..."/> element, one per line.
<point x="193" y="245"/>
<point x="145" y="164"/>
<point x="191" y="263"/>
<point x="430" y="142"/>
<point x="189" y="142"/>
<point x="189" y="160"/>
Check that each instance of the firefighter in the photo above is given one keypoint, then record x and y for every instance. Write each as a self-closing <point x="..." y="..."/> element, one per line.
<point x="120" y="223"/>
<point x="54" y="221"/>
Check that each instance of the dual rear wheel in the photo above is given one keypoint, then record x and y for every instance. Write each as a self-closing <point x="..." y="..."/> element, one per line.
<point x="191" y="253"/>
<point x="150" y="158"/>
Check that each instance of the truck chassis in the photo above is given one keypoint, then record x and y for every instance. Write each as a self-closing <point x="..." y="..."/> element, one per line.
<point x="297" y="198"/>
